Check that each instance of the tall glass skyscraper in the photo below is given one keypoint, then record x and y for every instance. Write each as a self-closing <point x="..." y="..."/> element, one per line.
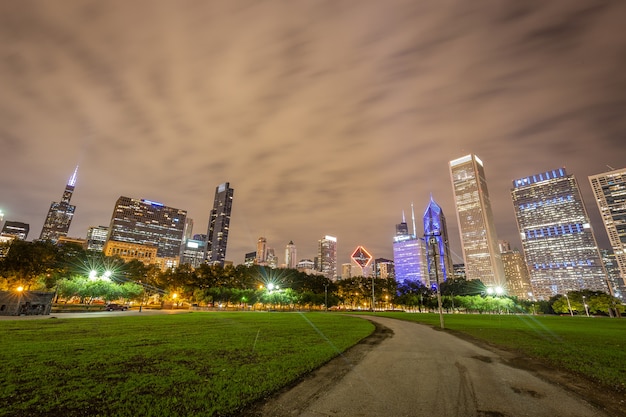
<point x="148" y="223"/>
<point x="327" y="257"/>
<point x="476" y="226"/>
<point x="609" y="189"/>
<point x="60" y="214"/>
<point x="558" y="242"/>
<point x="219" y="224"/>
<point x="435" y="228"/>
<point x="409" y="256"/>
<point x="290" y="255"/>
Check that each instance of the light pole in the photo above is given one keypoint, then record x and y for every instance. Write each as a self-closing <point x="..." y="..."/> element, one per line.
<point x="433" y="242"/>
<point x="326" y="297"/>
<point x="586" y="306"/>
<point x="569" y="305"/>
<point x="19" y="299"/>
<point x="373" y="299"/>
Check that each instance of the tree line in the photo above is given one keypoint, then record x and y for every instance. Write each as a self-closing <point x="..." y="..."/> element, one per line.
<point x="75" y="273"/>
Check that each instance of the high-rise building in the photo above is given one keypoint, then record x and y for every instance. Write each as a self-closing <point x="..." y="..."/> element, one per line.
<point x="435" y="227"/>
<point x="476" y="226"/>
<point x="60" y="214"/>
<point x="18" y="230"/>
<point x="327" y="257"/>
<point x="409" y="255"/>
<point x="146" y="222"/>
<point x="616" y="282"/>
<point x="516" y="274"/>
<point x="271" y="259"/>
<point x="219" y="224"/>
<point x="249" y="259"/>
<point x="346" y="271"/>
<point x="609" y="189"/>
<point x="97" y="237"/>
<point x="261" y="251"/>
<point x="384" y="268"/>
<point x="193" y="252"/>
<point x="290" y="255"/>
<point x="557" y="238"/>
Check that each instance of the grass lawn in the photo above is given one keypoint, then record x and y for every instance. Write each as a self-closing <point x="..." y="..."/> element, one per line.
<point x="196" y="364"/>
<point x="591" y="346"/>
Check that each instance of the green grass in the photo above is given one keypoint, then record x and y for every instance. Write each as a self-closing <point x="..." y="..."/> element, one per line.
<point x="592" y="347"/>
<point x="196" y="364"/>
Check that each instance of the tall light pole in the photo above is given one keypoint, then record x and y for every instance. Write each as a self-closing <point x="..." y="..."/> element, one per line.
<point x="433" y="243"/>
<point x="586" y="306"/>
<point x="569" y="305"/>
<point x="326" y="296"/>
<point x="373" y="299"/>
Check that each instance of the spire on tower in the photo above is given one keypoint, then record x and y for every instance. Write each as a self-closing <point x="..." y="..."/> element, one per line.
<point x="72" y="180"/>
<point x="413" y="219"/>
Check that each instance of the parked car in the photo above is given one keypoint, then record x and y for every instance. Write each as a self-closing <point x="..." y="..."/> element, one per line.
<point x="115" y="307"/>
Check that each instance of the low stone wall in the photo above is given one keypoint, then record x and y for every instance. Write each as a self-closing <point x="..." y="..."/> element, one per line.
<point x="27" y="303"/>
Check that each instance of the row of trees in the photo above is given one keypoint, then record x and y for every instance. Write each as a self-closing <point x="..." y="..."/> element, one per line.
<point x="66" y="268"/>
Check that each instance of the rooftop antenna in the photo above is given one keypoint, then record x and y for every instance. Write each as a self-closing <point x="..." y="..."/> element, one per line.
<point x="413" y="218"/>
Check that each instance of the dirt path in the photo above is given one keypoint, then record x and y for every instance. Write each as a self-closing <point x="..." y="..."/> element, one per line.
<point x="407" y="369"/>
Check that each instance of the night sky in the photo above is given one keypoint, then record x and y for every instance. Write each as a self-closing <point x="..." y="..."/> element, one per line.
<point x="326" y="117"/>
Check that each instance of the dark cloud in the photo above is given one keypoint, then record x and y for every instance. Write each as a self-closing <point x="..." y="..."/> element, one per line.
<point x="326" y="117"/>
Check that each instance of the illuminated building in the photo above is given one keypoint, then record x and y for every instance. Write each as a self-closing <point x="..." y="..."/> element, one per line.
<point x="618" y="286"/>
<point x="261" y="251"/>
<point x="219" y="224"/>
<point x="327" y="257"/>
<point x="249" y="258"/>
<point x="435" y="227"/>
<point x="290" y="255"/>
<point x="18" y="230"/>
<point x="271" y="259"/>
<point x="129" y="251"/>
<point x="384" y="268"/>
<point x="346" y="271"/>
<point x="558" y="242"/>
<point x="609" y="189"/>
<point x="516" y="274"/>
<point x="75" y="240"/>
<point x="150" y="223"/>
<point x="475" y="218"/>
<point x="97" y="237"/>
<point x="363" y="259"/>
<point x="193" y="252"/>
<point x="60" y="214"/>
<point x="409" y="255"/>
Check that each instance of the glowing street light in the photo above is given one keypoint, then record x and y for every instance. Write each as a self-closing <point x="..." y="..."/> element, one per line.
<point x="19" y="299"/>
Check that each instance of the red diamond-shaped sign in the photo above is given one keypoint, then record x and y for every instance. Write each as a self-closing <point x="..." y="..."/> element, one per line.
<point x="361" y="257"/>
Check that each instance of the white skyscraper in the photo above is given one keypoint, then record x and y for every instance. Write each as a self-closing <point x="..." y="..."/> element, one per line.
<point x="327" y="257"/>
<point x="290" y="255"/>
<point x="478" y="233"/>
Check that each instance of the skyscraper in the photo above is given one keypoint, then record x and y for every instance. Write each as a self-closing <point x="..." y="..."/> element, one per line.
<point x="558" y="242"/>
<point x="290" y="255"/>
<point x="145" y="222"/>
<point x="219" y="224"/>
<point x="516" y="274"/>
<point x="97" y="237"/>
<point x="327" y="255"/>
<point x="409" y="255"/>
<point x="60" y="214"/>
<point x="261" y="251"/>
<point x="609" y="189"/>
<point x="476" y="226"/>
<point x="18" y="230"/>
<point x="435" y="227"/>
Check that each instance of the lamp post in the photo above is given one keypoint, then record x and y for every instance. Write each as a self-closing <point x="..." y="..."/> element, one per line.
<point x="19" y="299"/>
<point x="586" y="306"/>
<point x="569" y="305"/>
<point x="433" y="243"/>
<point x="326" y="296"/>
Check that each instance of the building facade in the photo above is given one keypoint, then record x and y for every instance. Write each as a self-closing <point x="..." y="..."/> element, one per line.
<point x="409" y="256"/>
<point x="17" y="230"/>
<point x="261" y="251"/>
<point x="97" y="237"/>
<point x="327" y="257"/>
<point x="475" y="218"/>
<point x="291" y="255"/>
<point x="609" y="190"/>
<point x="435" y="227"/>
<point x="219" y="224"/>
<point x="60" y="214"/>
<point x="193" y="252"/>
<point x="516" y="274"/>
<point x="150" y="223"/>
<point x="557" y="238"/>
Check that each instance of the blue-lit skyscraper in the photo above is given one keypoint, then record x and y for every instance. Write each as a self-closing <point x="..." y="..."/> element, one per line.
<point x="559" y="244"/>
<point x="409" y="256"/>
<point x="435" y="227"/>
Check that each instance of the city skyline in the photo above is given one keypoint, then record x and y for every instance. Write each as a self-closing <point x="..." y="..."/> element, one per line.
<point x="328" y="122"/>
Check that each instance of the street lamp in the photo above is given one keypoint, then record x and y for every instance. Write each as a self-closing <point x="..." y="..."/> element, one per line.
<point x="569" y="305"/>
<point x="326" y="296"/>
<point x="19" y="299"/>
<point x="433" y="242"/>
<point x="586" y="306"/>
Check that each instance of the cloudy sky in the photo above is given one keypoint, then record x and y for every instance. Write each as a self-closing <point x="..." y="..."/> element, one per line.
<point x="326" y="117"/>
